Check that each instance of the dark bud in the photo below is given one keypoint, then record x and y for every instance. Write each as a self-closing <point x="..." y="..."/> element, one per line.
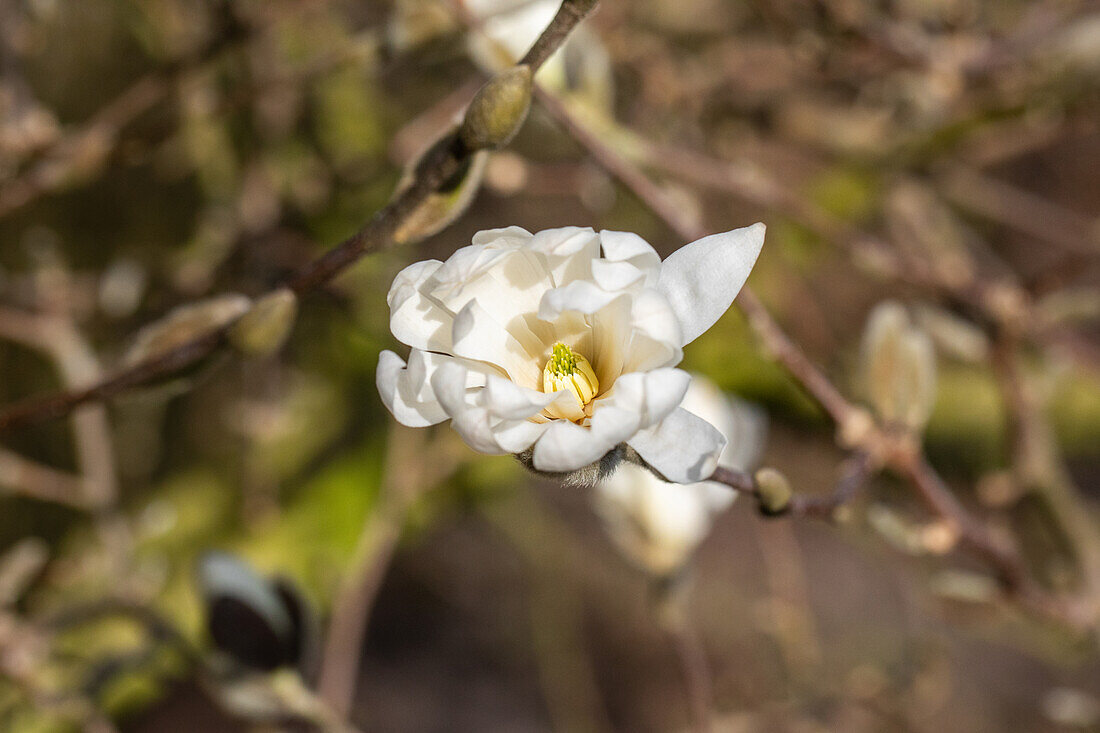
<point x="261" y="623"/>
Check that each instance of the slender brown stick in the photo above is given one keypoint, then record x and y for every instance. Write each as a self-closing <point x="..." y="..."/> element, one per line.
<point x="407" y="477"/>
<point x="855" y="428"/>
<point x="440" y="164"/>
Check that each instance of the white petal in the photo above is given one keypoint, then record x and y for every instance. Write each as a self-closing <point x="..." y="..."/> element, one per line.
<point x="649" y="396"/>
<point x="415" y="319"/>
<point x="566" y="446"/>
<point x="656" y="334"/>
<point x="623" y="246"/>
<point x="682" y="447"/>
<point x="470" y="421"/>
<point x="516" y="436"/>
<point x="629" y="247"/>
<point x="478" y="336"/>
<point x="580" y="296"/>
<point x="400" y="393"/>
<point x="610" y="338"/>
<point x="664" y="391"/>
<point x="510" y="235"/>
<point x="615" y="276"/>
<point x="569" y="252"/>
<point x="506" y="400"/>
<point x="701" y="279"/>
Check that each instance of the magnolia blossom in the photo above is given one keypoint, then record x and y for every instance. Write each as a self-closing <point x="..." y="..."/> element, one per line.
<point x="563" y="344"/>
<point x="657" y="524"/>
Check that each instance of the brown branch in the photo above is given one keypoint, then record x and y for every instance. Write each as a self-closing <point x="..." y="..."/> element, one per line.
<point x="443" y="161"/>
<point x="407" y="476"/>
<point x="85" y="148"/>
<point x="856" y="429"/>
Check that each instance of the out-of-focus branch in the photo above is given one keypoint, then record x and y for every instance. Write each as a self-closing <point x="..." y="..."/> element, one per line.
<point x="440" y="164"/>
<point x="407" y="476"/>
<point x="1038" y="467"/>
<point x="84" y="149"/>
<point x="22" y="476"/>
<point x="1020" y="210"/>
<point x="58" y="337"/>
<point x="996" y="300"/>
<point x="856" y="429"/>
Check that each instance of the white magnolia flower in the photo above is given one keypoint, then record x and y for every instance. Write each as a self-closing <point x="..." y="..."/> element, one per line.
<point x="656" y="524"/>
<point x="563" y="342"/>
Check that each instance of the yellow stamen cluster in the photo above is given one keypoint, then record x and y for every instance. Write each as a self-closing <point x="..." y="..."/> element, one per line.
<point x="569" y="371"/>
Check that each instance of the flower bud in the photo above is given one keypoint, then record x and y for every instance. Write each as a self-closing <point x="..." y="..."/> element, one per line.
<point x="773" y="491"/>
<point x="184" y="324"/>
<point x="266" y="325"/>
<point x="441" y="208"/>
<point x="899" y="367"/>
<point x="262" y="624"/>
<point x="498" y="110"/>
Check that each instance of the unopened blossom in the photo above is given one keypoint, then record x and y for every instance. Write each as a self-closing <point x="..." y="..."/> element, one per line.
<point x="656" y="524"/>
<point x="562" y="345"/>
<point x="899" y="367"/>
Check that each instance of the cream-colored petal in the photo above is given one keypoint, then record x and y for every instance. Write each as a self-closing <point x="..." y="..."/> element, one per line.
<point x="400" y="393"/>
<point x="416" y="319"/>
<point x="701" y="279"/>
<point x="480" y="337"/>
<point x="682" y="447"/>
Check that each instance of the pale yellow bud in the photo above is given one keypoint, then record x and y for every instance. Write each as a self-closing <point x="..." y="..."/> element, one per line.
<point x="774" y="491"/>
<point x="266" y="325"/>
<point x="568" y="371"/>
<point x="184" y="324"/>
<point x="498" y="110"/>
<point x="899" y="367"/>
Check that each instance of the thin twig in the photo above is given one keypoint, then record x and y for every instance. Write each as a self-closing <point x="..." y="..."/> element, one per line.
<point x="443" y="161"/>
<point x="855" y="428"/>
<point x="407" y="476"/>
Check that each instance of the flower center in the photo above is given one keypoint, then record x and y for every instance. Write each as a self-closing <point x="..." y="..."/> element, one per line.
<point x="569" y="371"/>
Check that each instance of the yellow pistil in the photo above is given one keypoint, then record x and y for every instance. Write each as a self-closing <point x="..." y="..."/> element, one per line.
<point x="569" y="371"/>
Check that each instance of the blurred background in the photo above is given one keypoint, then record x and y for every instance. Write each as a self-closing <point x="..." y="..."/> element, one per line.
<point x="159" y="153"/>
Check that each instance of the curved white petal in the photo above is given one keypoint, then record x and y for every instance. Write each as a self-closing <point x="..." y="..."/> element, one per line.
<point x="506" y="400"/>
<point x="615" y="276"/>
<point x="516" y="436"/>
<point x="664" y="391"/>
<point x="701" y="279"/>
<point x="655" y="333"/>
<point x="651" y="396"/>
<point x="629" y="247"/>
<point x="516" y="236"/>
<point x="566" y="446"/>
<point x="683" y="448"/>
<point x="401" y="392"/>
<point x="415" y="319"/>
<point x="580" y="296"/>
<point x="569" y="252"/>
<point x="478" y="336"/>
<point x="471" y="422"/>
